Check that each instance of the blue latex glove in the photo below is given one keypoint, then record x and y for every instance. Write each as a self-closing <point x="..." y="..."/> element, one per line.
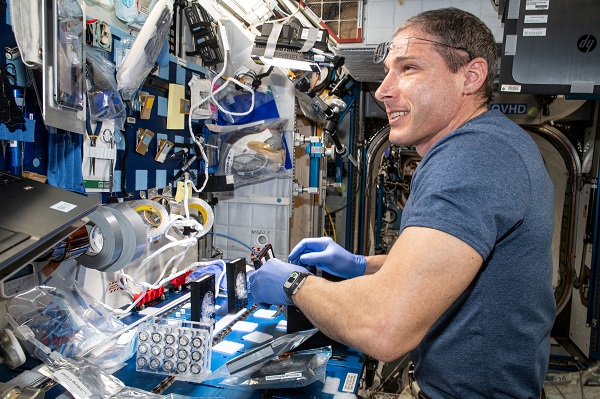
<point x="327" y="255"/>
<point x="266" y="284"/>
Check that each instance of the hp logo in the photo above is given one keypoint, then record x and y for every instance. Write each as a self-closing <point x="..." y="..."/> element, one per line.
<point x="586" y="43"/>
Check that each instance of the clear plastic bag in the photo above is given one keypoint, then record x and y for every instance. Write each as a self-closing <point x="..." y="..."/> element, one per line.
<point x="67" y="319"/>
<point x="254" y="153"/>
<point x="235" y="102"/>
<point x="253" y="360"/>
<point x="136" y="393"/>
<point x="69" y="74"/>
<point x="107" y="4"/>
<point x="82" y="379"/>
<point x="142" y="56"/>
<point x="133" y="13"/>
<point x="104" y="100"/>
<point x="290" y="370"/>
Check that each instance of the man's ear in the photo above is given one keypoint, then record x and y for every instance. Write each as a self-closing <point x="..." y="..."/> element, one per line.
<point x="475" y="75"/>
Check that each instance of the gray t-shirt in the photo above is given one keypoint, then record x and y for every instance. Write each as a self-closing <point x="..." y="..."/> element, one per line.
<point x="486" y="184"/>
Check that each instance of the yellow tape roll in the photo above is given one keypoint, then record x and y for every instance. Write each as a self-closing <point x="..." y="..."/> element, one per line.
<point x="208" y="216"/>
<point x="154" y="229"/>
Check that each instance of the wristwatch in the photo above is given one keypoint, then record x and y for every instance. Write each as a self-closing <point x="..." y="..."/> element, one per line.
<point x="293" y="284"/>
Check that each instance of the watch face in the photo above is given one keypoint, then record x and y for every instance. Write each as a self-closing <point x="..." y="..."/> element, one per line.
<point x="240" y="286"/>
<point x="288" y="283"/>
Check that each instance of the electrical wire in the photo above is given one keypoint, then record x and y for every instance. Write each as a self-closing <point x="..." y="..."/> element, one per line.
<point x="200" y="141"/>
<point x="236" y="240"/>
<point x="131" y="283"/>
<point x="330" y="221"/>
<point x="345" y="206"/>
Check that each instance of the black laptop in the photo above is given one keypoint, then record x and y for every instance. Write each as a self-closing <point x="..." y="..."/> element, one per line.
<point x="34" y="216"/>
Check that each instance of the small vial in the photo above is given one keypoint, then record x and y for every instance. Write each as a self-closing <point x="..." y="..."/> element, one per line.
<point x="156" y="337"/>
<point x="169" y="352"/>
<point x="168" y="365"/>
<point x="182" y="354"/>
<point x="154" y="363"/>
<point x="141" y="361"/>
<point x="155" y="350"/>
<point x="195" y="369"/>
<point x="143" y="335"/>
<point x="182" y="367"/>
<point x="196" y="356"/>
<point x="184" y="341"/>
<point x="169" y="339"/>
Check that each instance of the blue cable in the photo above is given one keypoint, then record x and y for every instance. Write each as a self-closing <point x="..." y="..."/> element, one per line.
<point x="236" y="240"/>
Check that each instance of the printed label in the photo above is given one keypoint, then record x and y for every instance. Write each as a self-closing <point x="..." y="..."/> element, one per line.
<point x="536" y="19"/>
<point x="510" y="109"/>
<point x="537" y="5"/>
<point x="63" y="206"/>
<point x="511" y="88"/>
<point x="72" y="384"/>
<point x="534" y="32"/>
<point x="350" y="382"/>
<point x="285" y="376"/>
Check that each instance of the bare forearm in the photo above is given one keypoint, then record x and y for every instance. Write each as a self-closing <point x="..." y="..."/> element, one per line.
<point x="323" y="302"/>
<point x="344" y="311"/>
<point x="374" y="263"/>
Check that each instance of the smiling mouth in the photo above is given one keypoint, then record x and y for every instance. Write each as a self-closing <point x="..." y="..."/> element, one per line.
<point x="394" y="115"/>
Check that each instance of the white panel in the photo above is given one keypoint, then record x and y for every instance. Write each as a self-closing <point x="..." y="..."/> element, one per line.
<point x="435" y="4"/>
<point x="404" y="11"/>
<point x="377" y="22"/>
<point x="378" y="27"/>
<point x="474" y="7"/>
<point x="490" y="16"/>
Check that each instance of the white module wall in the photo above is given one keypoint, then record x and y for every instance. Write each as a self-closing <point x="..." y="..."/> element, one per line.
<point x="381" y="17"/>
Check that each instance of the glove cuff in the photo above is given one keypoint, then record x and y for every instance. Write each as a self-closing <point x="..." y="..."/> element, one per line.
<point x="361" y="265"/>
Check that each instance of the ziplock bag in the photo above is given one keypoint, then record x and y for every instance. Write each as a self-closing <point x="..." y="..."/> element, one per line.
<point x="290" y="370"/>
<point x="251" y="361"/>
<point x="254" y="153"/>
<point x="67" y="319"/>
<point x="104" y="100"/>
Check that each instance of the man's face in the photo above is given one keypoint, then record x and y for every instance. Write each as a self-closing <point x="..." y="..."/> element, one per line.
<point x="423" y="99"/>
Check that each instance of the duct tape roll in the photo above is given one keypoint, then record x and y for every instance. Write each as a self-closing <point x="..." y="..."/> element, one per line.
<point x="134" y="235"/>
<point x="106" y="240"/>
<point x="157" y="223"/>
<point x="208" y="216"/>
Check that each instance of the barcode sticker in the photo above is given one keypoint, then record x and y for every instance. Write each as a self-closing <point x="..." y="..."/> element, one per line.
<point x="285" y="376"/>
<point x="350" y="382"/>
<point x="537" y="5"/>
<point x="64" y="206"/>
<point x="536" y="19"/>
<point x="511" y="88"/>
<point x="534" y="32"/>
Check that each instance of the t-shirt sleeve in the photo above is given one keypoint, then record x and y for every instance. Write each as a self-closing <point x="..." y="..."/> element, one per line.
<point x="473" y="189"/>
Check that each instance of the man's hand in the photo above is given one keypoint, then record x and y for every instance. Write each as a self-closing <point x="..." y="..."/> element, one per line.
<point x="327" y="255"/>
<point x="266" y="284"/>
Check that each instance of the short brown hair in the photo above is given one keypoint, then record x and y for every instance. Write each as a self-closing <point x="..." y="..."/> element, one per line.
<point x="459" y="28"/>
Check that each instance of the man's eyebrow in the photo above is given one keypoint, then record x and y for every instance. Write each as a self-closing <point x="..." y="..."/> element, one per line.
<point x="396" y="59"/>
